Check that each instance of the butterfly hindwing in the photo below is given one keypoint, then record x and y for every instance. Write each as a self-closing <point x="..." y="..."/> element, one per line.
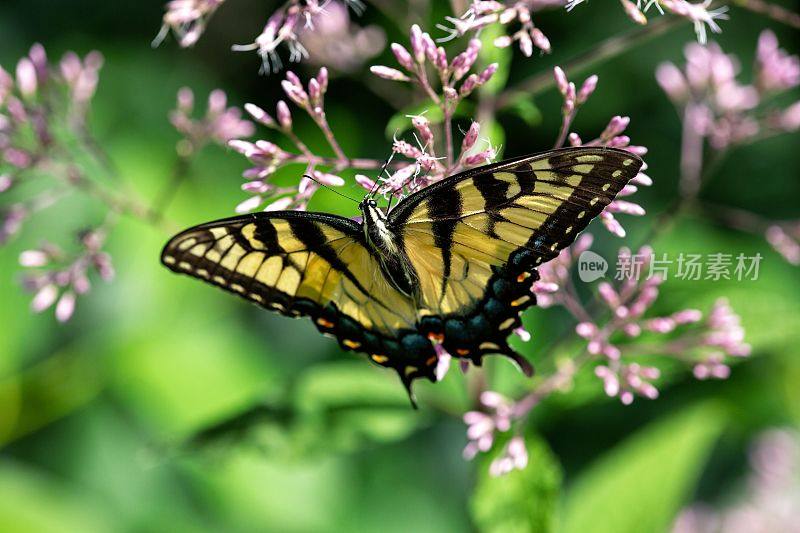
<point x="306" y="264"/>
<point x="475" y="239"/>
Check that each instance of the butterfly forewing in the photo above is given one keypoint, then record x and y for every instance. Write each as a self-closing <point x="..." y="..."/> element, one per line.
<point x="302" y="264"/>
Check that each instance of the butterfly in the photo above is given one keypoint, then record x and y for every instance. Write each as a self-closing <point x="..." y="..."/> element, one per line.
<point x="450" y="265"/>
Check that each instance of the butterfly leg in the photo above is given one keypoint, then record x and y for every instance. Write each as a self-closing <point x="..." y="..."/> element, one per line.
<point x="407" y="381"/>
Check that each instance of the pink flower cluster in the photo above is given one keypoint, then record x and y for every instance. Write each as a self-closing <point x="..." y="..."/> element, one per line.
<point x="717" y="106"/>
<point x="59" y="279"/>
<point x="702" y="344"/>
<point x="187" y="19"/>
<point x="284" y="28"/>
<point x="28" y="99"/>
<point x="482" y="425"/>
<point x="768" y="501"/>
<point x="785" y="239"/>
<point x="425" y="53"/>
<point x="321" y="29"/>
<point x="435" y="159"/>
<point x="484" y="13"/>
<point x="40" y="105"/>
<point x="219" y="125"/>
<point x="338" y="43"/>
<point x="698" y="14"/>
<point x="267" y="157"/>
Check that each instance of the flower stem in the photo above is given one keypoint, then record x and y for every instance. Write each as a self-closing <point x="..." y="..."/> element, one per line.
<point x="448" y="137"/>
<point x="773" y="11"/>
<point x="566" y="122"/>
<point x="342" y="159"/>
<point x="122" y="205"/>
<point x="167" y="194"/>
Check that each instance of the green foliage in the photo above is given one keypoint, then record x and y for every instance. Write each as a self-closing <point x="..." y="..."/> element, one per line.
<point x="523" y="106"/>
<point x="24" y="496"/>
<point x="642" y="483"/>
<point x="344" y="404"/>
<point x="522" y="500"/>
<point x="489" y="54"/>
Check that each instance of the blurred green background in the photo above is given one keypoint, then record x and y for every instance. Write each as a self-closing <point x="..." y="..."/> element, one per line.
<point x="112" y="421"/>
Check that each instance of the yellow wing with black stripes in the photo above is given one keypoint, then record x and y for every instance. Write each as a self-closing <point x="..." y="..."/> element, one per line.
<point x="469" y="245"/>
<point x="475" y="239"/>
<point x="307" y="264"/>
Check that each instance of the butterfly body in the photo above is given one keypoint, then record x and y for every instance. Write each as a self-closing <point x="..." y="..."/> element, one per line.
<point x="383" y="241"/>
<point x="450" y="267"/>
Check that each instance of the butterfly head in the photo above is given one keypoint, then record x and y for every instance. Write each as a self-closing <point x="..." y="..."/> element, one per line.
<point x="369" y="210"/>
<point x="367" y="202"/>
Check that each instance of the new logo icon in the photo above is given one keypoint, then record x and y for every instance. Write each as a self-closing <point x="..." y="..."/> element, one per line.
<point x="591" y="266"/>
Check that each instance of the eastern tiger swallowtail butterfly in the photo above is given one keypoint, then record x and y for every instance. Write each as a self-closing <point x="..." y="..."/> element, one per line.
<point x="452" y="263"/>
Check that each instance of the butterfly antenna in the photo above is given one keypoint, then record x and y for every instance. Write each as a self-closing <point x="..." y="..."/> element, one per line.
<point x="329" y="188"/>
<point x="375" y="188"/>
<point x="391" y="198"/>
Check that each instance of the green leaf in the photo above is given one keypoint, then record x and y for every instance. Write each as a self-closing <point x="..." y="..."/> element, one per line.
<point x="400" y="121"/>
<point x="524" y="108"/>
<point x="496" y="134"/>
<point x="522" y="500"/>
<point x="641" y="484"/>
<point x="342" y="405"/>
<point x="33" y="501"/>
<point x="491" y="54"/>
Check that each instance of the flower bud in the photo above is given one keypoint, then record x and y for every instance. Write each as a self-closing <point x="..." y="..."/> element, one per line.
<point x="615" y="126"/>
<point x="328" y="179"/>
<point x="259" y="115"/>
<point x="26" y="77"/>
<point x="503" y="41"/>
<point x="217" y="102"/>
<point x="561" y="80"/>
<point x="417" y="44"/>
<point x="44" y="298"/>
<point x="280" y="204"/>
<point x="633" y="12"/>
<point x="388" y="73"/>
<point x="365" y="181"/>
<point x="588" y="87"/>
<point x="33" y="258"/>
<point x="487" y="73"/>
<point x="540" y="40"/>
<point x="403" y="56"/>
<point x="525" y="44"/>
<point x="423" y="127"/>
<point x="248" y="205"/>
<point x="284" y="115"/>
<point x="471" y="137"/>
<point x="65" y="307"/>
<point x="295" y="93"/>
<point x="322" y="79"/>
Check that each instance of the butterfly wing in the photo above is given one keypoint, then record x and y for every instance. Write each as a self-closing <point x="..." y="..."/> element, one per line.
<point x="475" y="239"/>
<point x="308" y="264"/>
